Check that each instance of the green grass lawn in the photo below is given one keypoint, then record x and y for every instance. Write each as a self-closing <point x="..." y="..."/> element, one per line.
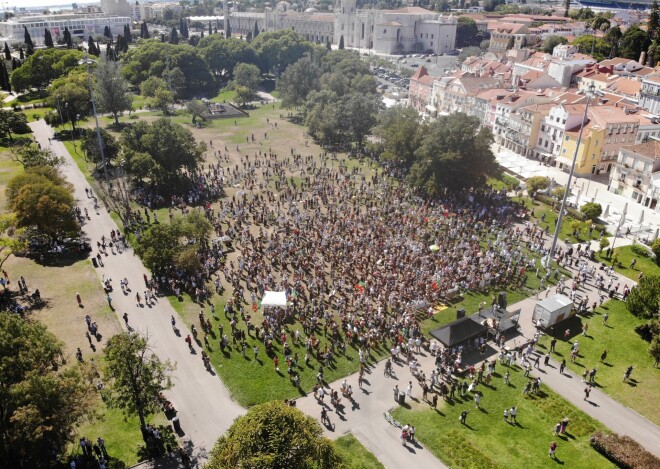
<point x="122" y="435"/>
<point x="488" y="442"/>
<point x="355" y="455"/>
<point x="253" y="381"/>
<point x="566" y="233"/>
<point x="625" y="255"/>
<point x="224" y="95"/>
<point x="624" y="348"/>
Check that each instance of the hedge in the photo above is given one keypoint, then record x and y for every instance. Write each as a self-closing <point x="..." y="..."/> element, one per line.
<point x="623" y="451"/>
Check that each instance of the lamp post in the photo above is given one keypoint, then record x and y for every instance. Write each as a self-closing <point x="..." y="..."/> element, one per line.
<point x="87" y="61"/>
<point x="562" y="209"/>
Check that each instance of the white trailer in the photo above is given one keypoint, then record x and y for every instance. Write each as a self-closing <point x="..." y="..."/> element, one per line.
<point x="552" y="310"/>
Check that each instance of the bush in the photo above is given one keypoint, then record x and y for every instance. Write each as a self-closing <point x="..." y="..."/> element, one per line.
<point x="655" y="247"/>
<point x="537" y="183"/>
<point x="639" y="250"/>
<point x="546" y="199"/>
<point x="623" y="451"/>
<point x="591" y="210"/>
<point x="644" y="298"/>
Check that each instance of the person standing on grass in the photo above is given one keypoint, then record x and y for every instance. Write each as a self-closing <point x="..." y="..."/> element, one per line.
<point x="463" y="417"/>
<point x="513" y="413"/>
<point x="553" y="448"/>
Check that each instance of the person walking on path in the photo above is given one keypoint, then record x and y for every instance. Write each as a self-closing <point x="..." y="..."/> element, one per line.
<point x="546" y="359"/>
<point x="125" y="316"/>
<point x="562" y="367"/>
<point x="587" y="391"/>
<point x="409" y="389"/>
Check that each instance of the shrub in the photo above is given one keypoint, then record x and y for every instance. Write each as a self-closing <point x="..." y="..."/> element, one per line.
<point x="623" y="451"/>
<point x="536" y="183"/>
<point x="546" y="199"/>
<point x="639" y="250"/>
<point x="644" y="298"/>
<point x="591" y="210"/>
<point x="655" y="247"/>
<point x="559" y="192"/>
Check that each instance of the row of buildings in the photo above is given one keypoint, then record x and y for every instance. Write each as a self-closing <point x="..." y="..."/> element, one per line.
<point x="405" y="29"/>
<point x="536" y="107"/>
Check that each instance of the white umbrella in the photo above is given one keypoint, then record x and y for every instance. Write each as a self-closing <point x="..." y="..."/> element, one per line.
<point x="641" y="217"/>
<point x="607" y="212"/>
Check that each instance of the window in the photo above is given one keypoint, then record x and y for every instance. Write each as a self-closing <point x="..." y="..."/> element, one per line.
<point x="431" y="36"/>
<point x="564" y="151"/>
<point x="540" y="141"/>
<point x="609" y="140"/>
<point x="384" y="31"/>
<point x="563" y="121"/>
<point x="568" y="138"/>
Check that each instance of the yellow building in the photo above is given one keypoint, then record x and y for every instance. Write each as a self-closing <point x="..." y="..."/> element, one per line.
<point x="589" y="152"/>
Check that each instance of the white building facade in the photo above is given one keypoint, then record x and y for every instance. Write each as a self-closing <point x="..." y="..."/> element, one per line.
<point x="80" y="26"/>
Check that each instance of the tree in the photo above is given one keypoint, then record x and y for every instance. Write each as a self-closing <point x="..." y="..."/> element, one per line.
<point x="144" y="30"/>
<point x="90" y="146"/>
<point x="44" y="66"/>
<point x="5" y="85"/>
<point x="48" y="39"/>
<point x="274" y="435"/>
<point x="224" y="54"/>
<point x="598" y="47"/>
<point x="644" y="299"/>
<point x="121" y="45"/>
<point x="111" y="89"/>
<point x="27" y="39"/>
<point x="11" y="239"/>
<point x="92" y="49"/>
<point x="255" y="30"/>
<point x="12" y="122"/>
<point x="298" y="80"/>
<point x="653" y="24"/>
<point x="360" y="113"/>
<point x="536" y="183"/>
<point x="550" y="42"/>
<point x="654" y="349"/>
<point x="633" y="42"/>
<point x="174" y="151"/>
<point x="73" y="98"/>
<point x="41" y="403"/>
<point x="401" y="130"/>
<point x="604" y="242"/>
<point x="454" y="154"/>
<point x="163" y="99"/>
<point x="341" y="42"/>
<point x="107" y="32"/>
<point x="655" y="247"/>
<point x="136" y="376"/>
<point x="278" y="49"/>
<point x="67" y="38"/>
<point x="150" y="85"/>
<point x="467" y="33"/>
<point x="591" y="210"/>
<point x="45" y="206"/>
<point x="174" y="36"/>
<point x="247" y="75"/>
<point x="153" y="59"/>
<point x="197" y="109"/>
<point x="31" y="155"/>
<point x="243" y="95"/>
<point x="7" y="52"/>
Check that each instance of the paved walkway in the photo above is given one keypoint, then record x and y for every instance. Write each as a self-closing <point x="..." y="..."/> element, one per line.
<point x="643" y="222"/>
<point x="204" y="405"/>
<point x="365" y="419"/>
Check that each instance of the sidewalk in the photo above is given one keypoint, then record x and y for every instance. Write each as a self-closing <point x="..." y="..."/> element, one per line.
<point x="205" y="407"/>
<point x="588" y="191"/>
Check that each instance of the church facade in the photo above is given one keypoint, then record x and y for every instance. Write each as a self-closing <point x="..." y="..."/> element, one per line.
<point x="410" y="29"/>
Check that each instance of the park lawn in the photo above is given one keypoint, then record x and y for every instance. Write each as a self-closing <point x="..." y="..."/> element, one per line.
<point x="625" y="255"/>
<point x="488" y="442"/>
<point x="355" y="455"/>
<point x="566" y="233"/>
<point x="122" y="435"/>
<point x="36" y="114"/>
<point x="624" y="348"/>
<point x="225" y="95"/>
<point x="253" y="381"/>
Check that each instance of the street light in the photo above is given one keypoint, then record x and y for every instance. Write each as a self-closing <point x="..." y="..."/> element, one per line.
<point x="562" y="209"/>
<point x="87" y="61"/>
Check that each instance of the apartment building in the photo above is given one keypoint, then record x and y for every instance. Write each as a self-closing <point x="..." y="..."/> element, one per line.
<point x="636" y="174"/>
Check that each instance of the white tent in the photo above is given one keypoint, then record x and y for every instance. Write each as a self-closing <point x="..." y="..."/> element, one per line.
<point x="274" y="298"/>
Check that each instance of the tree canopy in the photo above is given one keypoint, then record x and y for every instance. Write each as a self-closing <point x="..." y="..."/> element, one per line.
<point x="298" y="80"/>
<point x="223" y="54"/>
<point x="247" y="75"/>
<point x="111" y="89"/>
<point x="274" y="435"/>
<point x="400" y="129"/>
<point x="12" y="122"/>
<point x="644" y="299"/>
<point x="168" y="149"/>
<point x="40" y="403"/>
<point x="154" y="59"/>
<point x="136" y="376"/>
<point x="454" y="153"/>
<point x="279" y="49"/>
<point x="40" y="199"/>
<point x="44" y="66"/>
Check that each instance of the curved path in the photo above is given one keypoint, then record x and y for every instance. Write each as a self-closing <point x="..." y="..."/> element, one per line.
<point x="205" y="407"/>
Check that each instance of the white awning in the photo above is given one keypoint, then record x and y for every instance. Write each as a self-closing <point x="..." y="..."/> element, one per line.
<point x="274" y="298"/>
<point x="430" y="108"/>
